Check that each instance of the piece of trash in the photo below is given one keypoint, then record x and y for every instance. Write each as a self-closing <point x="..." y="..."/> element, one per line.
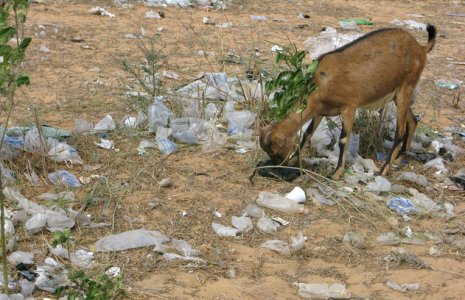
<point x="101" y="11"/>
<point x="277" y="202"/>
<point x="153" y="15"/>
<point x="105" y="144"/>
<point x="354" y="239"/>
<point x="130" y="240"/>
<point x="438" y="164"/>
<point x="434" y="251"/>
<point x="402" y="205"/>
<point x="217" y="214"/>
<point x="423" y="202"/>
<point x="359" y="21"/>
<point x="225" y="25"/>
<point x="297" y="195"/>
<point x="225" y="231"/>
<point x="455" y="14"/>
<point x="165" y="145"/>
<point x="414" y="178"/>
<point x="144" y="144"/>
<point x="17" y="257"/>
<point x="410" y="24"/>
<point x="303" y="16"/>
<point x="388" y="239"/>
<point x="208" y="21"/>
<point x="113" y="271"/>
<point x="239" y="123"/>
<point x="323" y="291"/>
<point x="82" y="258"/>
<point x="62" y="152"/>
<point x="280" y="221"/>
<point x="254" y="211"/>
<point x="267" y="168"/>
<point x="77" y="39"/>
<point x="36" y="223"/>
<point x="318" y="198"/>
<point x="60" y="251"/>
<point x="184" y="248"/>
<point x="170" y="74"/>
<point x="44" y="48"/>
<point x="159" y="115"/>
<point x="348" y="24"/>
<point x="380" y="185"/>
<point x="267" y="225"/>
<point x="243" y="224"/>
<point x="298" y="242"/>
<point x="82" y="126"/>
<point x="63" y="177"/>
<point x="328" y="40"/>
<point x="278" y="246"/>
<point x="174" y="256"/>
<point x="105" y="124"/>
<point x="258" y="18"/>
<point x="403" y="287"/>
<point x="447" y="84"/>
<point x="276" y="48"/>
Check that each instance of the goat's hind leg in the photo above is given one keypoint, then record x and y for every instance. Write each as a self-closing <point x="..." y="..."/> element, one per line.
<point x="411" y="127"/>
<point x="405" y="128"/>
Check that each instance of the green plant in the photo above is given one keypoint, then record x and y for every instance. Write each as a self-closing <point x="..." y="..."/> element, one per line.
<point x="12" y="18"/>
<point x="293" y="84"/>
<point x="103" y="287"/>
<point x="61" y="237"/>
<point x="146" y="73"/>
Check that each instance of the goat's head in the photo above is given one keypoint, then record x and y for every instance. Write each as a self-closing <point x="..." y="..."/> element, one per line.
<point x="278" y="145"/>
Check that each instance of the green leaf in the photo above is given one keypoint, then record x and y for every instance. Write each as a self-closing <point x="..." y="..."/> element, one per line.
<point x="24" y="43"/>
<point x="312" y="67"/>
<point x="6" y="34"/>
<point x="23" y="79"/>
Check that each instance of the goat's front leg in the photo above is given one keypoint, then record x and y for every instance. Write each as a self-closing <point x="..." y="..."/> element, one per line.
<point x="310" y="130"/>
<point x="348" y="116"/>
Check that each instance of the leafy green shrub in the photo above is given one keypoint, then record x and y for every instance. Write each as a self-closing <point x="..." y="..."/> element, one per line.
<point x="83" y="287"/>
<point x="292" y="85"/>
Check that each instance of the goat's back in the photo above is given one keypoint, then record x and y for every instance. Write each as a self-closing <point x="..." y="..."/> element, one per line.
<point x="372" y="66"/>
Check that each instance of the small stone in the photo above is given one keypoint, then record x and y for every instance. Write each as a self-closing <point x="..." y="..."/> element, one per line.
<point x="434" y="251"/>
<point x="77" y="39"/>
<point x="154" y="203"/>
<point x="166" y="182"/>
<point x="231" y="274"/>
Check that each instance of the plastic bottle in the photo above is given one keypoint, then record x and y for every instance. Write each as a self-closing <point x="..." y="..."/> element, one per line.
<point x="280" y="203"/>
<point x="358" y="21"/>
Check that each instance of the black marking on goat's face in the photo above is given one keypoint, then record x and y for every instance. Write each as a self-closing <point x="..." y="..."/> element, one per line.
<point x="393" y="45"/>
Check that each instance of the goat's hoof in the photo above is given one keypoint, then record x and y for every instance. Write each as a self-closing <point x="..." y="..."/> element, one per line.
<point x="383" y="172"/>
<point x="337" y="175"/>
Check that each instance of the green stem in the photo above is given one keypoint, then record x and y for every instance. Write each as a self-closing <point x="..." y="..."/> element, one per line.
<point x="2" y="202"/>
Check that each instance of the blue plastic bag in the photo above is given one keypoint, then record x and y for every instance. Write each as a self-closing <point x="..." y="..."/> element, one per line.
<point x="402" y="205"/>
<point x="63" y="177"/>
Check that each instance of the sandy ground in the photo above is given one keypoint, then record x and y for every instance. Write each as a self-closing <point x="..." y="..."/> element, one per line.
<point x="85" y="80"/>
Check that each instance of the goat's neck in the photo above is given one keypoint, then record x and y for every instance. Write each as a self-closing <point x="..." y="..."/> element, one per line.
<point x="292" y="123"/>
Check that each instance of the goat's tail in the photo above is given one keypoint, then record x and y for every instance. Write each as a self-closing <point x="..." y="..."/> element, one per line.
<point x="432" y="32"/>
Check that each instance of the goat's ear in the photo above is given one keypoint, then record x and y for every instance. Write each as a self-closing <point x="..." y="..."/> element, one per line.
<point x="264" y="137"/>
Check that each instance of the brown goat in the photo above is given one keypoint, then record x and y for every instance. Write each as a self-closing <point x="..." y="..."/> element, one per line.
<point x="382" y="66"/>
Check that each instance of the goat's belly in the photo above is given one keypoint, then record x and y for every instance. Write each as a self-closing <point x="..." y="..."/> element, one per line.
<point x="380" y="102"/>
